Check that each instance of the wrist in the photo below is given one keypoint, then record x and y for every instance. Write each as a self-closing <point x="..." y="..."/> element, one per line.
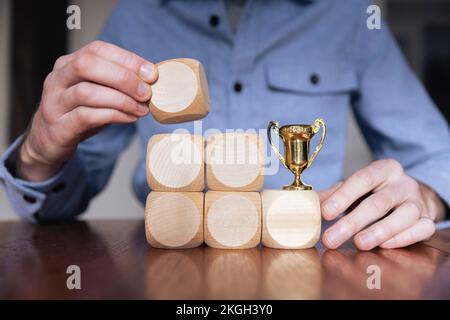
<point x="31" y="166"/>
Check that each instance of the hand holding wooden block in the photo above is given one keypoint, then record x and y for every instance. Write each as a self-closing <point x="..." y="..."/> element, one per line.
<point x="174" y="219"/>
<point x="181" y="92"/>
<point x="234" y="162"/>
<point x="232" y="219"/>
<point x="175" y="162"/>
<point x="291" y="219"/>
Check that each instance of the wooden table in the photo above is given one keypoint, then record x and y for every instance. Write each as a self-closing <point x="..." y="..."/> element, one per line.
<point x="116" y="262"/>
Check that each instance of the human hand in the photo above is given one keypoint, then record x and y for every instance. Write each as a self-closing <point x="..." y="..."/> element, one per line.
<point x="397" y="211"/>
<point x="99" y="84"/>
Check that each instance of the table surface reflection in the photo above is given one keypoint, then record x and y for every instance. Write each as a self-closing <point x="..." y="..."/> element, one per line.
<point x="117" y="263"/>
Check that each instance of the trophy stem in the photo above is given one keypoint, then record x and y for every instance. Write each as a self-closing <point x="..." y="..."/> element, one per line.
<point x="297" y="184"/>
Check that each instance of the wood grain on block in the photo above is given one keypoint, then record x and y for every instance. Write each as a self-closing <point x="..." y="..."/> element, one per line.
<point x="174" y="219"/>
<point x="232" y="219"/>
<point x="175" y="162"/>
<point x="291" y="219"/>
<point x="181" y="92"/>
<point x="234" y="162"/>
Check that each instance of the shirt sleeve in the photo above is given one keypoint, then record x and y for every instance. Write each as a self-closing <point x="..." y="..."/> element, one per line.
<point x="67" y="194"/>
<point x="396" y="115"/>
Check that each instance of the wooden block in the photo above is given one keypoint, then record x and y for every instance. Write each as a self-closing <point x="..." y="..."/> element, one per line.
<point x="174" y="220"/>
<point x="181" y="92"/>
<point x="232" y="219"/>
<point x="175" y="162"/>
<point x="291" y="219"/>
<point x="234" y="162"/>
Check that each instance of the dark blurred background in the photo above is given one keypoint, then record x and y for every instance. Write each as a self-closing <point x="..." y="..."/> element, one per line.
<point x="33" y="34"/>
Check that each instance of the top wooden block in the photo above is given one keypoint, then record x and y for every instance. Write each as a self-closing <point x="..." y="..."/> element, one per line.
<point x="234" y="162"/>
<point x="181" y="92"/>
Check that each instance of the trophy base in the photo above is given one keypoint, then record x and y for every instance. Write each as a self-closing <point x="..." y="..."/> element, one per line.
<point x="291" y="219"/>
<point x="297" y="188"/>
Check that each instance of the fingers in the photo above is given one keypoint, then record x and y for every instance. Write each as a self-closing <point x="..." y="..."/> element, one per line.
<point x="421" y="230"/>
<point x="146" y="70"/>
<point x="129" y="60"/>
<point x="324" y="194"/>
<point x="405" y="216"/>
<point x="93" y="95"/>
<point x="94" y="69"/>
<point x="357" y="185"/>
<point x="370" y="210"/>
<point x="82" y="119"/>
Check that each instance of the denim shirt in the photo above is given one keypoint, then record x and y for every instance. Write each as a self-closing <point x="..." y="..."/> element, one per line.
<point x="294" y="61"/>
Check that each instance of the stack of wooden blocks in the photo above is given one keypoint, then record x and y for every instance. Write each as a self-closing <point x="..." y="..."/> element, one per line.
<point x="232" y="213"/>
<point x="228" y="215"/>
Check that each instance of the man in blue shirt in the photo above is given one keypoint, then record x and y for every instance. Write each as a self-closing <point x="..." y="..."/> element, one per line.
<point x="290" y="61"/>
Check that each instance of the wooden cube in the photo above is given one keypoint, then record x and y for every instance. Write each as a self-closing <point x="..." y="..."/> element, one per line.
<point x="234" y="162"/>
<point x="291" y="219"/>
<point x="181" y="92"/>
<point x="232" y="219"/>
<point x="174" y="220"/>
<point x="175" y="162"/>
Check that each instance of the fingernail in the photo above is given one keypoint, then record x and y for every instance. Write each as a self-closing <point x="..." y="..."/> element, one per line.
<point x="147" y="71"/>
<point x="143" y="90"/>
<point x="330" y="207"/>
<point x="388" y="244"/>
<point x="367" y="239"/>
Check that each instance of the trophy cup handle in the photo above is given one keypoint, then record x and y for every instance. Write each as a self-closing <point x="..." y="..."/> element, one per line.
<point x="317" y="124"/>
<point x="276" y="126"/>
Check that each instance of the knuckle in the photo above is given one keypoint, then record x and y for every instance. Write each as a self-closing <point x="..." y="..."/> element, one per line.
<point x="83" y="116"/>
<point x="124" y="77"/>
<point x="366" y="177"/>
<point x="81" y="63"/>
<point x="382" y="202"/>
<point x="95" y="46"/>
<point x="393" y="166"/>
<point x="83" y="91"/>
<point x="60" y="62"/>
<point x="413" y="208"/>
<point x="411" y="184"/>
<point x="48" y="82"/>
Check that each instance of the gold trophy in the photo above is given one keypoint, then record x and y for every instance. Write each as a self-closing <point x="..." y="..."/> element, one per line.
<point x="292" y="217"/>
<point x="296" y="139"/>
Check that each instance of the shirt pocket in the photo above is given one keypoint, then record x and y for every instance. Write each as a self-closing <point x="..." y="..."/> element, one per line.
<point x="300" y="92"/>
<point x="311" y="77"/>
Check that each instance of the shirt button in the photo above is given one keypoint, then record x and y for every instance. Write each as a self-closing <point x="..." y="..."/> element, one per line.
<point x="29" y="199"/>
<point x="237" y="87"/>
<point x="314" y="79"/>
<point x="59" y="187"/>
<point x="214" y="21"/>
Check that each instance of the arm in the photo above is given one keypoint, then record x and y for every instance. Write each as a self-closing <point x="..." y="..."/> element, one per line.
<point x="403" y="197"/>
<point x="99" y="85"/>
